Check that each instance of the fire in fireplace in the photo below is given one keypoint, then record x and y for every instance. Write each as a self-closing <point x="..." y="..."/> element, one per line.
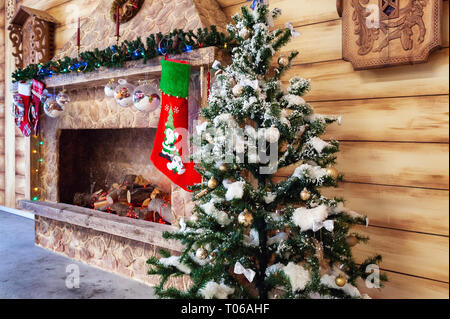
<point x="110" y="170"/>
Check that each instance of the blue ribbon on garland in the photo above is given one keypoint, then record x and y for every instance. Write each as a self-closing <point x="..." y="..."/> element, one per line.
<point x="255" y="3"/>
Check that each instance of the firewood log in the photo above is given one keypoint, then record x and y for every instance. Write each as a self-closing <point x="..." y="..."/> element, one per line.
<point x="101" y="204"/>
<point x="84" y="199"/>
<point x="138" y="196"/>
<point x="118" y="195"/>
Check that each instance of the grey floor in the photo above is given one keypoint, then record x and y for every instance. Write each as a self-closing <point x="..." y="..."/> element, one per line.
<point x="28" y="271"/>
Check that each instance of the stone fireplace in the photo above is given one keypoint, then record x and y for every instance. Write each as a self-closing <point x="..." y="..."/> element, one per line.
<point x="96" y="141"/>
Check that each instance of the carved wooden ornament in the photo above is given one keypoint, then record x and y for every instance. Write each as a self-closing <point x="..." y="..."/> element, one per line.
<point x="32" y="32"/>
<point x="380" y="33"/>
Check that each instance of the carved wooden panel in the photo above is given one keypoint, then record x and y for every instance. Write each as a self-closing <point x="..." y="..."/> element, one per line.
<point x="380" y="33"/>
<point x="32" y="36"/>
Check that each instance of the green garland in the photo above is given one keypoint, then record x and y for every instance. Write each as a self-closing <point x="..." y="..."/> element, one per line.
<point x="175" y="42"/>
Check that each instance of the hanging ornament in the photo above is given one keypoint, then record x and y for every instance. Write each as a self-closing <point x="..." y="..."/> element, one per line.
<point x="123" y="93"/>
<point x="52" y="108"/>
<point x="146" y="98"/>
<point x="212" y="183"/>
<point x="333" y="172"/>
<point x="305" y="194"/>
<point x="245" y="218"/>
<point x="238" y="90"/>
<point x="213" y="255"/>
<point x="283" y="61"/>
<point x="351" y="240"/>
<point x="223" y="167"/>
<point x="340" y="281"/>
<point x="201" y="253"/>
<point x="272" y="134"/>
<point x="63" y="98"/>
<point x="110" y="88"/>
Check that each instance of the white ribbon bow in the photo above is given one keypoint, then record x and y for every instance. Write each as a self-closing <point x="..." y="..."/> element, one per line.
<point x="328" y="224"/>
<point x="294" y="32"/>
<point x="240" y="270"/>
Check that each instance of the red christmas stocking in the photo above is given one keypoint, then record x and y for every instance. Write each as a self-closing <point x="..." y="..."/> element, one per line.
<point x="171" y="137"/>
<point x="22" y="102"/>
<point x="37" y="90"/>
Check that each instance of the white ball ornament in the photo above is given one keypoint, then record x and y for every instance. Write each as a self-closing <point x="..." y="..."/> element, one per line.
<point x="272" y="134"/>
<point x="238" y="90"/>
<point x="124" y="93"/>
<point x="146" y="98"/>
<point x="52" y="108"/>
<point x="110" y="88"/>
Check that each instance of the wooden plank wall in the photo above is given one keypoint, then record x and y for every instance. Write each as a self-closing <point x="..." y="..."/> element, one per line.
<point x="394" y="140"/>
<point x="2" y="103"/>
<point x="394" y="146"/>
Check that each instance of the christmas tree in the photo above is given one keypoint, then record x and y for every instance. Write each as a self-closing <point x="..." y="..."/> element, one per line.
<point x="252" y="234"/>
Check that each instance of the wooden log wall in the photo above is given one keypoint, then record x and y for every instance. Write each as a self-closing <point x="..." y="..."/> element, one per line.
<point x="2" y="102"/>
<point x="394" y="146"/>
<point x="394" y="140"/>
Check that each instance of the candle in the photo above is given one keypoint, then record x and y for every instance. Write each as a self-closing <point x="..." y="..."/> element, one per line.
<point x="78" y="33"/>
<point x="117" y="23"/>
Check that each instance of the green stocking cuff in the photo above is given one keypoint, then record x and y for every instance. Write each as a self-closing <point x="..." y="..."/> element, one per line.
<point x="175" y="78"/>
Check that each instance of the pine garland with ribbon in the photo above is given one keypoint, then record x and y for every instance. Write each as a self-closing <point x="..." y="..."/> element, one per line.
<point x="175" y="42"/>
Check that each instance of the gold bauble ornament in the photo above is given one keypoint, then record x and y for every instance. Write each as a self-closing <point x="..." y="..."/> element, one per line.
<point x="340" y="281"/>
<point x="238" y="90"/>
<point x="223" y="168"/>
<point x="201" y="253"/>
<point x="212" y="183"/>
<point x="333" y="172"/>
<point x="283" y="61"/>
<point x="245" y="218"/>
<point x="305" y="194"/>
<point x="351" y="240"/>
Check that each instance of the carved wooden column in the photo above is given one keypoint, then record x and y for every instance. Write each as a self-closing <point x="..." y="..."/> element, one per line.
<point x="31" y="33"/>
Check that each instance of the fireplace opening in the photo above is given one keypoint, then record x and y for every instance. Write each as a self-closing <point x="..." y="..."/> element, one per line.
<point x="110" y="170"/>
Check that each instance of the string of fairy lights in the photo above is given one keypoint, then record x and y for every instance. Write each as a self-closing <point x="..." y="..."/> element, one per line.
<point x="37" y="160"/>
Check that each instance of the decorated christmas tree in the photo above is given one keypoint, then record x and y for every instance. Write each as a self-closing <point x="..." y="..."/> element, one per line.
<point x="254" y="233"/>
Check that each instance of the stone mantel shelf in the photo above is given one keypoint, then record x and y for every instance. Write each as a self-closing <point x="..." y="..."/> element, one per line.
<point x="132" y="70"/>
<point x="138" y="230"/>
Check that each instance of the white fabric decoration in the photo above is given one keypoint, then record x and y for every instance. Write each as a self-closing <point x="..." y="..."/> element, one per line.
<point x="328" y="225"/>
<point x="175" y="262"/>
<point x="294" y="100"/>
<point x="329" y="281"/>
<point x="201" y="128"/>
<point x="274" y="269"/>
<point x="220" y="216"/>
<point x="318" y="144"/>
<point x="277" y="238"/>
<point x="216" y="65"/>
<point x="305" y="218"/>
<point x="215" y="290"/>
<point x="340" y="208"/>
<point x="234" y="190"/>
<point x="298" y="276"/>
<point x="253" y="84"/>
<point x="182" y="225"/>
<point x="270" y="197"/>
<point x="294" y="32"/>
<point x="253" y="239"/>
<point x="314" y="172"/>
<point x="240" y="270"/>
<point x="339" y="120"/>
<point x="272" y="134"/>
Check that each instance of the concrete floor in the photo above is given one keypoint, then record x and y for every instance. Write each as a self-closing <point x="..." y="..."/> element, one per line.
<point x="28" y="271"/>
